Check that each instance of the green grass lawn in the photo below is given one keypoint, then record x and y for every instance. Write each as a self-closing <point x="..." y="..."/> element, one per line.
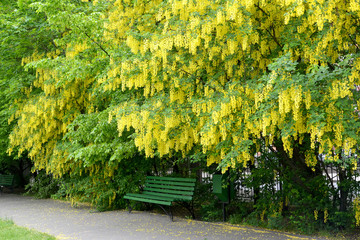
<point x="9" y="231"/>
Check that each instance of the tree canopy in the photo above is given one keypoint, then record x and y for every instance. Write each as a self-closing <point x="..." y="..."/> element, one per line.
<point x="105" y="82"/>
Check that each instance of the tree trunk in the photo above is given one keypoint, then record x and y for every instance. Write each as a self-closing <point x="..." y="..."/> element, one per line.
<point x="344" y="191"/>
<point x="255" y="188"/>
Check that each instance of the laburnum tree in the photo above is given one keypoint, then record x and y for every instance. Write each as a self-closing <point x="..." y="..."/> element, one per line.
<point x="238" y="78"/>
<point x="22" y="32"/>
<point x="208" y="75"/>
<point x="275" y="80"/>
<point x="62" y="123"/>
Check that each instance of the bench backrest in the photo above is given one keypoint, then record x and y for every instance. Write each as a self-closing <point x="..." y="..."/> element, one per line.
<point x="6" y="180"/>
<point x="177" y="188"/>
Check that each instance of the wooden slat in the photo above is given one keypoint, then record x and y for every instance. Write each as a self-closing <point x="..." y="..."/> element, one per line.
<point x="7" y="177"/>
<point x="177" y="192"/>
<point x="148" y="200"/>
<point x="6" y="182"/>
<point x="175" y="196"/>
<point x="172" y="179"/>
<point x="186" y="184"/>
<point x="156" y="197"/>
<point x="170" y="187"/>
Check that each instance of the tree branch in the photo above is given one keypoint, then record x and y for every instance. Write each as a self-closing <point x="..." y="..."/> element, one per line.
<point x="262" y="10"/>
<point x="274" y="37"/>
<point x="267" y="30"/>
<point x="98" y="44"/>
<point x="355" y="43"/>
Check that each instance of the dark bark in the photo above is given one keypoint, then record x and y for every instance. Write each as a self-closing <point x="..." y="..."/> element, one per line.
<point x="295" y="169"/>
<point x="344" y="191"/>
<point x="255" y="188"/>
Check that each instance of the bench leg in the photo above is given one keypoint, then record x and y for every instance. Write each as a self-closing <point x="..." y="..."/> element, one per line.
<point x="129" y="206"/>
<point x="189" y="207"/>
<point x="169" y="212"/>
<point x="224" y="212"/>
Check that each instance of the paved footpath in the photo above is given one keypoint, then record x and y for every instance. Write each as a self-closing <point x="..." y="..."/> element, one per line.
<point x="65" y="222"/>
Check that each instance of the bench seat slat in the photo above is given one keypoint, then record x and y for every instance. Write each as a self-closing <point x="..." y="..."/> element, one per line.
<point x="193" y="180"/>
<point x="156" y="197"/>
<point x="185" y="184"/>
<point x="170" y="187"/>
<point x="148" y="200"/>
<point x="177" y="192"/>
<point x="176" y="197"/>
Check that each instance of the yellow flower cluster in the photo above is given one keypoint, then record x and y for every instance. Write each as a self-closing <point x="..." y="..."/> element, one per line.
<point x="154" y="132"/>
<point x="326" y="215"/>
<point x="193" y="39"/>
<point x="43" y="120"/>
<point x="322" y="15"/>
<point x="310" y="159"/>
<point x="356" y="204"/>
<point x="340" y="89"/>
<point x="74" y="50"/>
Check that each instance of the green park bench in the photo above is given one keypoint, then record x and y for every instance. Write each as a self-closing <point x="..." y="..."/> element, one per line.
<point x="164" y="191"/>
<point x="6" y="181"/>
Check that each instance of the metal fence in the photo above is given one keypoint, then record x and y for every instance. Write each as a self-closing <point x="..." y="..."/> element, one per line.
<point x="247" y="194"/>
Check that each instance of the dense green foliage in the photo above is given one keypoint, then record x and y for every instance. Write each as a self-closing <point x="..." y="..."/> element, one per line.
<point x="22" y="33"/>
